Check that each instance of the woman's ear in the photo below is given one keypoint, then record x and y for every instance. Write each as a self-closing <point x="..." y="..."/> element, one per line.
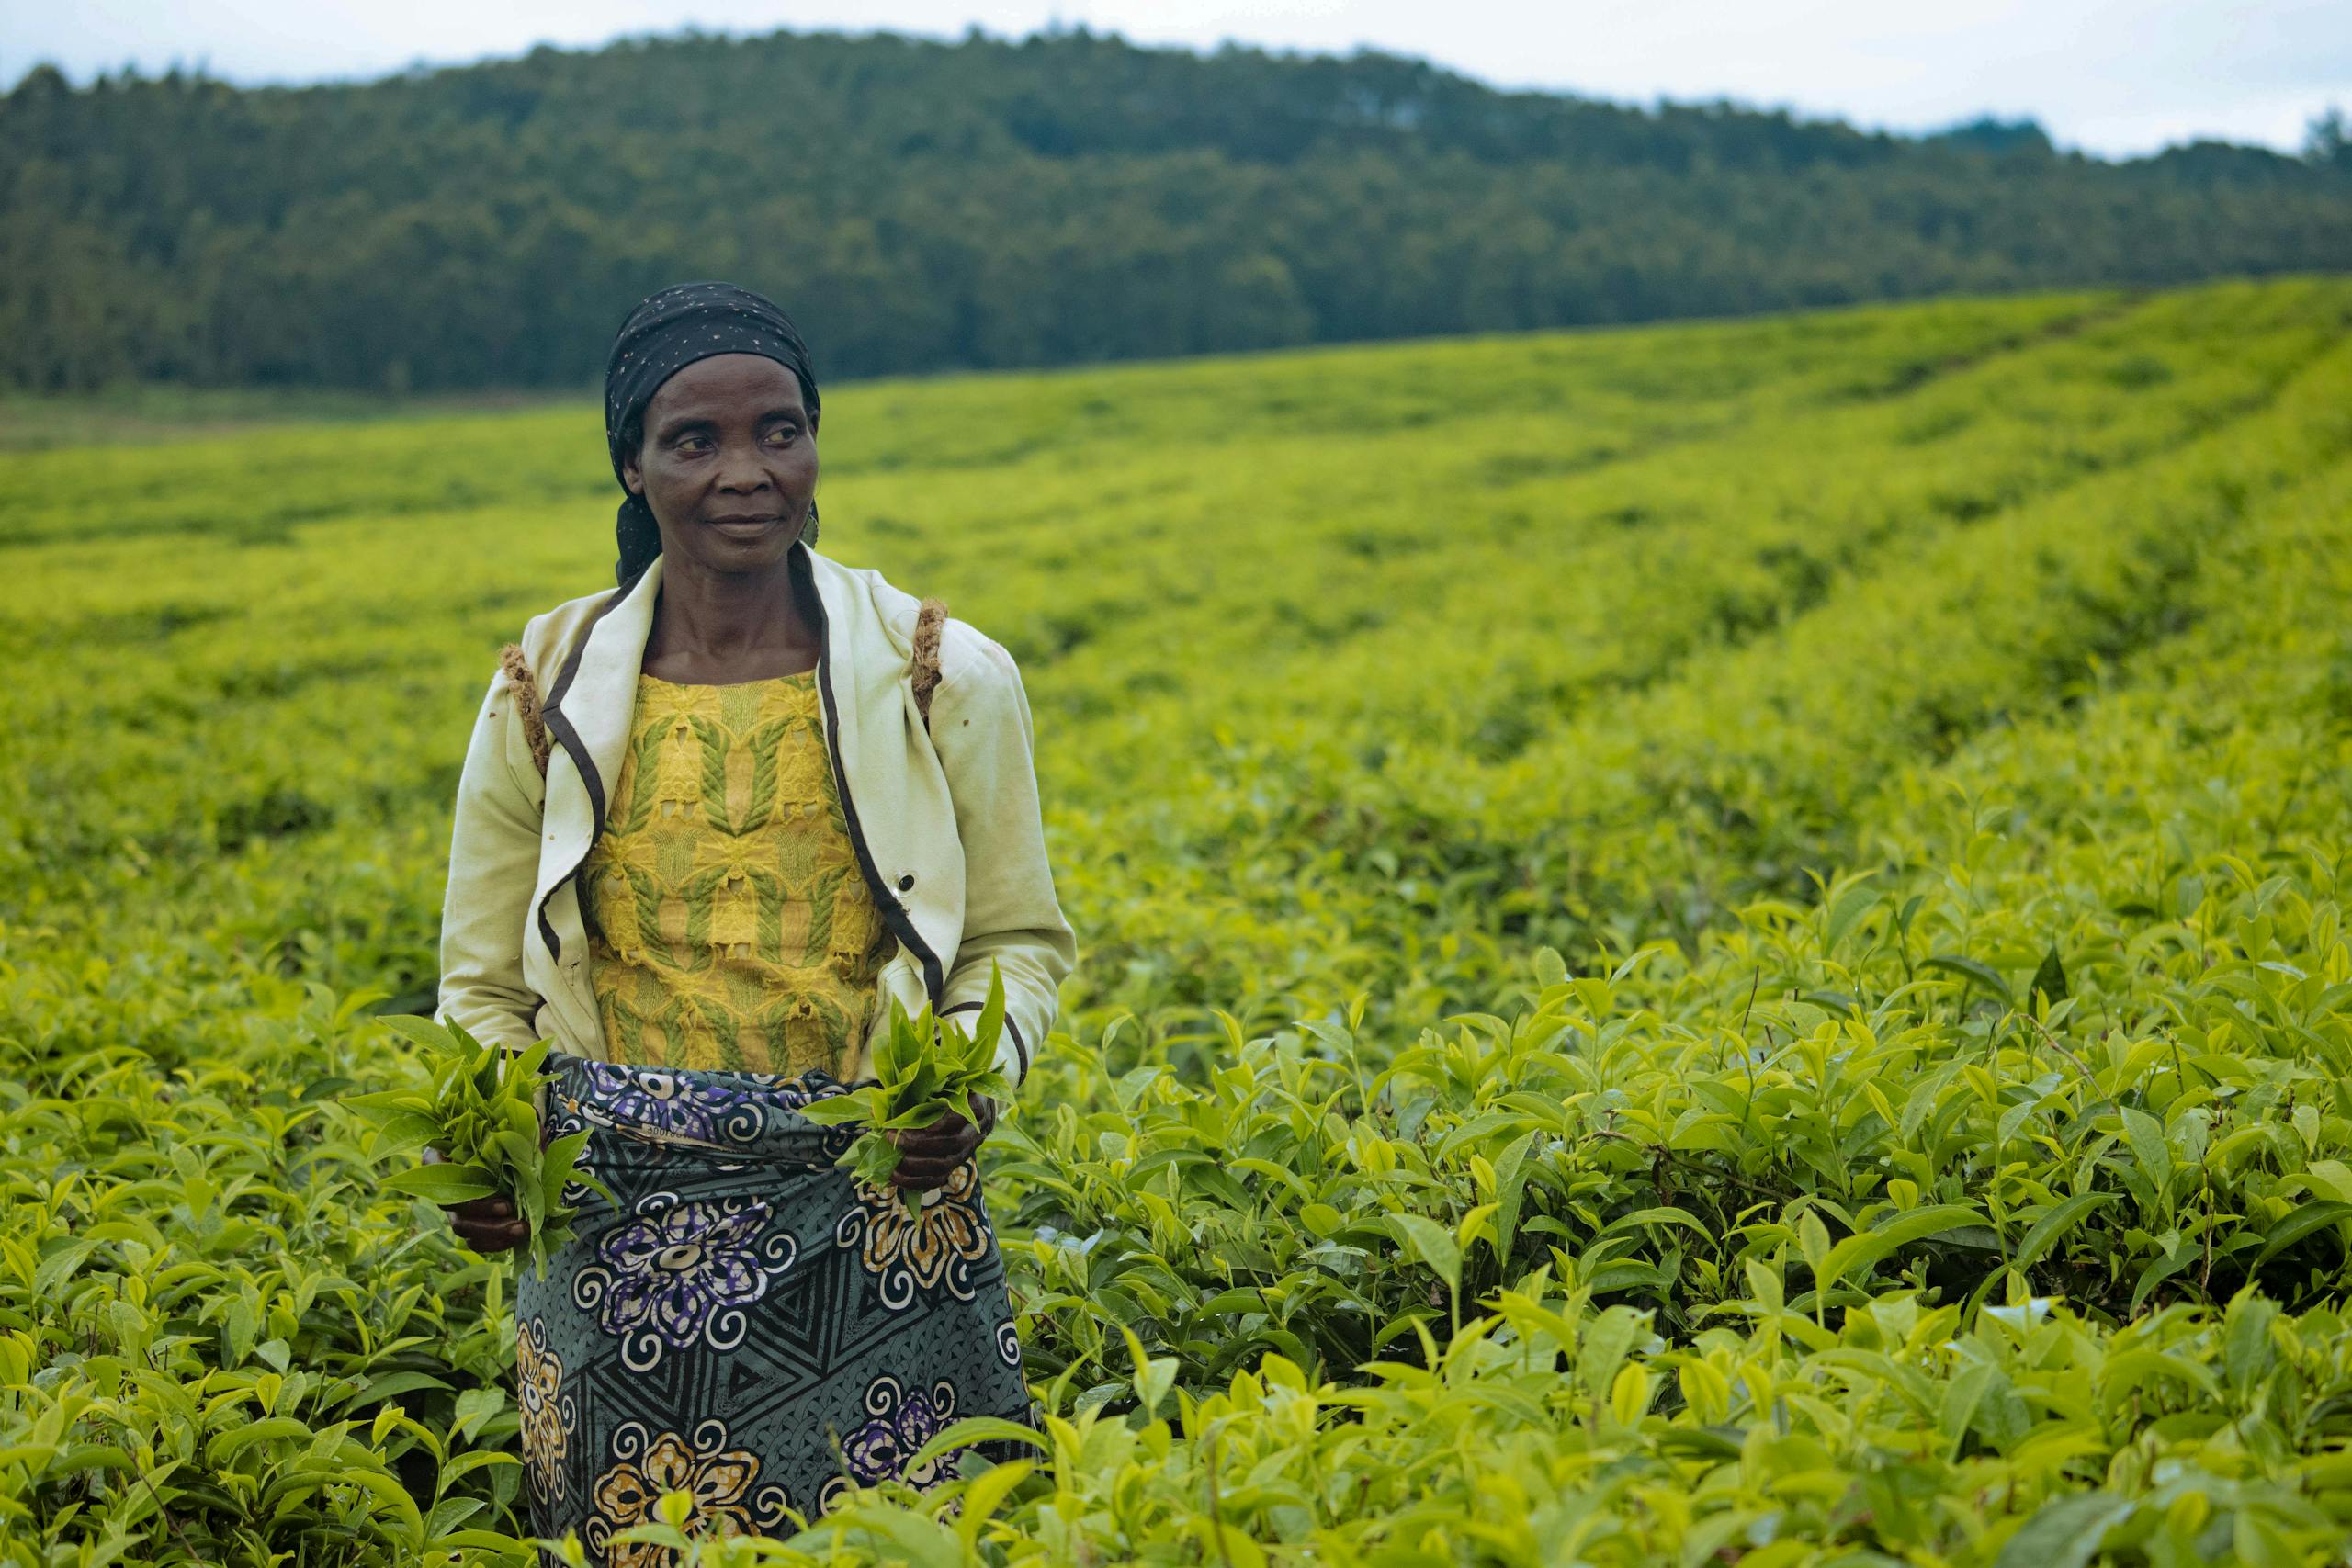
<point x="632" y="476"/>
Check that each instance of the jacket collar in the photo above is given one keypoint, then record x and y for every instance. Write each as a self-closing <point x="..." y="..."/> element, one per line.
<point x="588" y="708"/>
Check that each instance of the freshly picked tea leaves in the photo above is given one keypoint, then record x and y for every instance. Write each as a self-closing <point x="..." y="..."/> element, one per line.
<point x="479" y="1111"/>
<point x="923" y="1067"/>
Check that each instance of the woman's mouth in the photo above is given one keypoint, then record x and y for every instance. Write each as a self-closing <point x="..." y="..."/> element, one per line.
<point x="744" y="527"/>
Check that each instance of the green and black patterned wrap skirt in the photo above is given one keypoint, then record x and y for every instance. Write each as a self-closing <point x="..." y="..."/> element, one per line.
<point x="741" y="1321"/>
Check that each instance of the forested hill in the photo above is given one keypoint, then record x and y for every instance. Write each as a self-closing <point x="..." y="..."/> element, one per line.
<point x="1066" y="197"/>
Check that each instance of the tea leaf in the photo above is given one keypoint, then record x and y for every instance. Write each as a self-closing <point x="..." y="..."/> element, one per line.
<point x="2306" y="1218"/>
<point x="1428" y="1243"/>
<point x="2067" y="1533"/>
<point x="1860" y="1251"/>
<point x="1971" y="970"/>
<point x="444" y="1184"/>
<point x="2050" y="980"/>
<point x="2053" y="1224"/>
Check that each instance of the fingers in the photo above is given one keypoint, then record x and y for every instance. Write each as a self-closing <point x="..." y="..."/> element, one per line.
<point x="485" y="1225"/>
<point x="949" y="1125"/>
<point x="489" y="1225"/>
<point x="929" y="1156"/>
<point x="950" y="1132"/>
<point x="492" y="1237"/>
<point x="925" y="1174"/>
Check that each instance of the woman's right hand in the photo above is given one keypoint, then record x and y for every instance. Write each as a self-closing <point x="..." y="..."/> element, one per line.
<point x="486" y="1224"/>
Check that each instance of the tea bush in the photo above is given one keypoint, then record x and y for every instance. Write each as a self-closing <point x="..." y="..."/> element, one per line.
<point x="1703" y="944"/>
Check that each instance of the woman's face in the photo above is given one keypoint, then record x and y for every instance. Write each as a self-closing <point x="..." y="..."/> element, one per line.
<point x="728" y="463"/>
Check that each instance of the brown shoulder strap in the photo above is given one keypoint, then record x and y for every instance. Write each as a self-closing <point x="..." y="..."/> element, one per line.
<point x="925" y="665"/>
<point x="526" y="701"/>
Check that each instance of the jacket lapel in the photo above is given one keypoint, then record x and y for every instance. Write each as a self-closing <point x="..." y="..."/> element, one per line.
<point x="871" y="730"/>
<point x="597" y="703"/>
<point x="861" y="679"/>
<point x="587" y="712"/>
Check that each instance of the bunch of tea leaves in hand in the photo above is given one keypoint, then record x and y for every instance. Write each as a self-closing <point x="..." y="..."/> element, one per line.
<point x="479" y="1109"/>
<point x="924" y="1066"/>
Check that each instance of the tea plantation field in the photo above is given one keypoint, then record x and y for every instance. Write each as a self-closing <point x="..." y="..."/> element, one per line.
<point x="1712" y="944"/>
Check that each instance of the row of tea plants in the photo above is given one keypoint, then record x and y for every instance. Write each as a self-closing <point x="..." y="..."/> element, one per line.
<point x="1715" y="943"/>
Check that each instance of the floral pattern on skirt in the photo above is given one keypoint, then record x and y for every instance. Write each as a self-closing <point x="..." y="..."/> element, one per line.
<point x="741" y="1321"/>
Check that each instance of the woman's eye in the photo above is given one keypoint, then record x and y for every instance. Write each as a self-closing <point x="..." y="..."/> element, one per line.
<point x="782" y="434"/>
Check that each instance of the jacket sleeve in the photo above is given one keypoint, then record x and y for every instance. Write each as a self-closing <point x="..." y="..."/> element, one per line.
<point x="981" y="728"/>
<point x="493" y="867"/>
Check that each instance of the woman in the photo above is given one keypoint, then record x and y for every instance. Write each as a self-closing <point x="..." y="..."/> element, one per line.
<point x="711" y="824"/>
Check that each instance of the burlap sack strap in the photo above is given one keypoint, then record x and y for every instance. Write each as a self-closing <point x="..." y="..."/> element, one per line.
<point x="925" y="669"/>
<point x="924" y="674"/>
<point x="526" y="701"/>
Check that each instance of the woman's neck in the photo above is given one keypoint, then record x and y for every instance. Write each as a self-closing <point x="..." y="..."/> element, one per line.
<point x="712" y="628"/>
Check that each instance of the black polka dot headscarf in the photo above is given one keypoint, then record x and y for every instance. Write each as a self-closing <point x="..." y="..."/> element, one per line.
<point x="666" y="332"/>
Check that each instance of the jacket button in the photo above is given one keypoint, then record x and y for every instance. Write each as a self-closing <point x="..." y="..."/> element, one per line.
<point x="905" y="882"/>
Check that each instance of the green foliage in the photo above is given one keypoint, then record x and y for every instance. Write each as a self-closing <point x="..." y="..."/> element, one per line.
<point x="221" y="1338"/>
<point x="480" y="1107"/>
<point x="1720" y="942"/>
<point x="922" y="205"/>
<point x="923" y="1067"/>
<point x="1556" y="1431"/>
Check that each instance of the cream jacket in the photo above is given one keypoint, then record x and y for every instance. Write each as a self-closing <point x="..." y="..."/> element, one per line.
<point x="945" y="820"/>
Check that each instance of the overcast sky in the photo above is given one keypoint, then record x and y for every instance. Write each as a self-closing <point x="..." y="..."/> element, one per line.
<point x="2123" y="78"/>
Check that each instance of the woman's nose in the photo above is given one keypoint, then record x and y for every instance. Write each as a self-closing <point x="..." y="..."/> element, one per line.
<point x="743" y="474"/>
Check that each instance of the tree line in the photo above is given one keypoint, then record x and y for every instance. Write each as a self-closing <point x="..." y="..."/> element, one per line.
<point x="1068" y="196"/>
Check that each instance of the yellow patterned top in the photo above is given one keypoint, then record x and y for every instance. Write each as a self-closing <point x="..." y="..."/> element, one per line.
<point x="728" y="925"/>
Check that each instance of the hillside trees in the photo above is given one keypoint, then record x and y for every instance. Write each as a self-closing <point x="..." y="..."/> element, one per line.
<point x="1063" y="198"/>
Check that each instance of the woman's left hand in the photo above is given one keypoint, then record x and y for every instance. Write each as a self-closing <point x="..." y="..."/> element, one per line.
<point x="928" y="1155"/>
